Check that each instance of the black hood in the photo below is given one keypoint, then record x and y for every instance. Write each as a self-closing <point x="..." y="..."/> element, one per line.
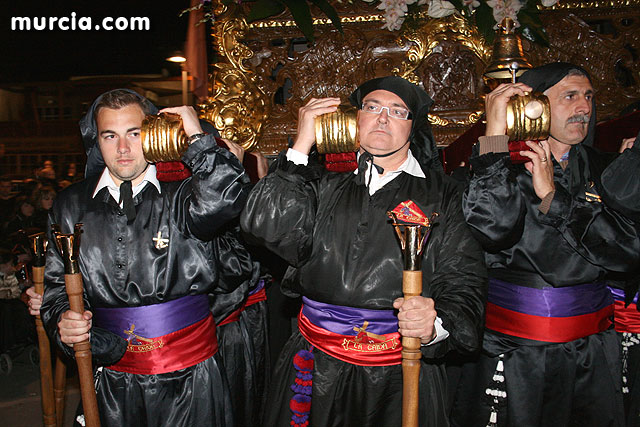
<point x="422" y="143"/>
<point x="89" y="131"/>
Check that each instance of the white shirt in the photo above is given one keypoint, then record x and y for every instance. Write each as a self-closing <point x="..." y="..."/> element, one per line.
<point x="410" y="166"/>
<point x="114" y="190"/>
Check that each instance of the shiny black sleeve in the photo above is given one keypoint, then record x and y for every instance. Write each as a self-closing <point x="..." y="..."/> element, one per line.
<point x="216" y="192"/>
<point x="281" y="210"/>
<point x="493" y="204"/>
<point x="600" y="234"/>
<point x="106" y="347"/>
<point x="621" y="182"/>
<point x="234" y="261"/>
<point x="459" y="283"/>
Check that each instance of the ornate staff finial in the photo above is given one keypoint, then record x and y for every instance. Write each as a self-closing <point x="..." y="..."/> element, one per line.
<point x="69" y="247"/>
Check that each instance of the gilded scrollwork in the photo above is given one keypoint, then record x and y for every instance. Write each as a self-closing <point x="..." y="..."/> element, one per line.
<point x="428" y="37"/>
<point x="266" y="71"/>
<point x="236" y="107"/>
<point x="599" y="54"/>
<point x="592" y="4"/>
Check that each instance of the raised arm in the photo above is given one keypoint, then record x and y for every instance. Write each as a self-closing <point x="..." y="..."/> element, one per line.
<point x="281" y="209"/>
<point x="217" y="190"/>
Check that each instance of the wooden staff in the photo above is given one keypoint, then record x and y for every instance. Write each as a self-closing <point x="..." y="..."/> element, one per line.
<point x="69" y="245"/>
<point x="59" y="386"/>
<point x="413" y="241"/>
<point x="39" y="248"/>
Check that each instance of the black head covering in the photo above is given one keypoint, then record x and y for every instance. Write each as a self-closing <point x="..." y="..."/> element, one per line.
<point x="541" y="79"/>
<point x="422" y="143"/>
<point x="89" y="131"/>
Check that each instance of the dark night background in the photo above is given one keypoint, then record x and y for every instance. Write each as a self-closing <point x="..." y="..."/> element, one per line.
<point x="56" y="55"/>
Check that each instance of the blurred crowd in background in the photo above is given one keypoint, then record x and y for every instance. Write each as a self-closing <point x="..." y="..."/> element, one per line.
<point x="24" y="208"/>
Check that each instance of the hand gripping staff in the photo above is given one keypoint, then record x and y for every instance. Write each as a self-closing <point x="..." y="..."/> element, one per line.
<point x="413" y="229"/>
<point x="69" y="247"/>
<point x="39" y="248"/>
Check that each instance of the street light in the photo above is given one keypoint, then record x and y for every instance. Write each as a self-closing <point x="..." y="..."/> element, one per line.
<point x="178" y="57"/>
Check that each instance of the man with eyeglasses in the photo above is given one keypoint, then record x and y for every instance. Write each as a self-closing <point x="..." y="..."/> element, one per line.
<point x="342" y="368"/>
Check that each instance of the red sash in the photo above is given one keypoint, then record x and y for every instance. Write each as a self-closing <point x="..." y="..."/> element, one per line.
<point x="176" y="350"/>
<point x="360" y="349"/>
<point x="261" y="295"/>
<point x="549" y="329"/>
<point x="626" y="319"/>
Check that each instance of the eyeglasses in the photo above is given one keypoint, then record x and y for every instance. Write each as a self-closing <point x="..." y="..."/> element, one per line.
<point x="394" y="112"/>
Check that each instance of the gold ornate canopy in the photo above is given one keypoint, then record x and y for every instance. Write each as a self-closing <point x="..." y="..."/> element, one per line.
<point x="265" y="71"/>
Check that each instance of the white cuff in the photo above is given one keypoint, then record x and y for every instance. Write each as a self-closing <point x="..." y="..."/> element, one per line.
<point x="441" y="333"/>
<point x="297" y="157"/>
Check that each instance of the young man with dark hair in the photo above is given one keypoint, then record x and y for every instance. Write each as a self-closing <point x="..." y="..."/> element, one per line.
<point x="148" y="261"/>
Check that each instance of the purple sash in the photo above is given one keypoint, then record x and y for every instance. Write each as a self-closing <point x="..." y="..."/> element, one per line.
<point x="341" y="320"/>
<point x="154" y="320"/>
<point x="550" y="302"/>
<point x="618" y="295"/>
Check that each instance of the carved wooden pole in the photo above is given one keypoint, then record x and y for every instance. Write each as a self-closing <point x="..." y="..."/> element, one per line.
<point x="69" y="245"/>
<point x="59" y="385"/>
<point x="413" y="239"/>
<point x="39" y="248"/>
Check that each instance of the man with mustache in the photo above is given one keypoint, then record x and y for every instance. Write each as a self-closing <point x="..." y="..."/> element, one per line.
<point x="342" y="368"/>
<point x="550" y="355"/>
<point x="147" y="257"/>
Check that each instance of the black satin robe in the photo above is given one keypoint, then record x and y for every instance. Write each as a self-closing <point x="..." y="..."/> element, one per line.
<point x="580" y="240"/>
<point x="344" y="251"/>
<point x="621" y="182"/>
<point x="621" y="190"/>
<point x="241" y="346"/>
<point x="577" y="241"/>
<point x="121" y="267"/>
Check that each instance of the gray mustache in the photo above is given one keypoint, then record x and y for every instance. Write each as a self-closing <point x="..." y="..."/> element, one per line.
<point x="580" y="118"/>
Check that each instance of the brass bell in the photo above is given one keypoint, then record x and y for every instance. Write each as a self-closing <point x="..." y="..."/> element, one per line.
<point x="507" y="59"/>
<point x="528" y="117"/>
<point x="337" y="132"/>
<point x="163" y="138"/>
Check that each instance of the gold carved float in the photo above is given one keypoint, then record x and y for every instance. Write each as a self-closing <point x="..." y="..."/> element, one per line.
<point x="266" y="70"/>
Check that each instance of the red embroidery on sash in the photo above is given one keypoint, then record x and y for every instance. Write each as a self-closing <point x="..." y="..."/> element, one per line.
<point x="177" y="350"/>
<point x="353" y="349"/>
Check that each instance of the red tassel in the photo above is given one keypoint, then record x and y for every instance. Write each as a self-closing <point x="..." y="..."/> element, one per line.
<point x="300" y="403"/>
<point x="301" y="407"/>
<point x="302" y="362"/>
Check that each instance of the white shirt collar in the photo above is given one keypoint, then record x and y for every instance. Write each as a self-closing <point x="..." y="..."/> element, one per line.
<point x="410" y="166"/>
<point x="106" y="181"/>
